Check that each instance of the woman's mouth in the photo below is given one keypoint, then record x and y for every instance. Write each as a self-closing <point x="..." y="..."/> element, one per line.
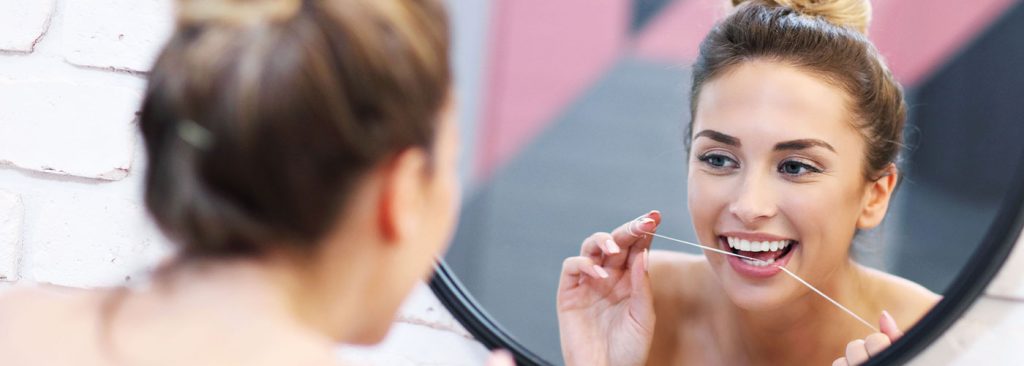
<point x="769" y="254"/>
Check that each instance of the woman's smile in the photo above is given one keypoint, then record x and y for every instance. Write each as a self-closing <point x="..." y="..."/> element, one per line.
<point x="771" y="252"/>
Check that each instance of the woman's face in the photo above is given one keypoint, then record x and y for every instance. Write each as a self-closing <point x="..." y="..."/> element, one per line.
<point x="444" y="188"/>
<point x="775" y="173"/>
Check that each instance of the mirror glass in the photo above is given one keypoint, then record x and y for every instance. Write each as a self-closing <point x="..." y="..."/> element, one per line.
<point x="573" y="116"/>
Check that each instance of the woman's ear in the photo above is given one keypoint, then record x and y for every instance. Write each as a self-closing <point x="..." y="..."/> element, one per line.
<point x="876" y="198"/>
<point x="402" y="197"/>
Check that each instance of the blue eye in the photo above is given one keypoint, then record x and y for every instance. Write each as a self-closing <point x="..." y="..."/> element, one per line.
<point x="718" y="161"/>
<point x="796" y="168"/>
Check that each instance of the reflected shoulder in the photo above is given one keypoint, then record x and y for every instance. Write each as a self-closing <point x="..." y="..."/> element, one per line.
<point x="906" y="300"/>
<point x="676" y="275"/>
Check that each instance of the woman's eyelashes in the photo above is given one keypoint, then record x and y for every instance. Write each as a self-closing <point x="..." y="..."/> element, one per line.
<point x="798" y="168"/>
<point x="720" y="162"/>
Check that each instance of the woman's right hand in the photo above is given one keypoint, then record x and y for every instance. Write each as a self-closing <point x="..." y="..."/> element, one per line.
<point x="605" y="306"/>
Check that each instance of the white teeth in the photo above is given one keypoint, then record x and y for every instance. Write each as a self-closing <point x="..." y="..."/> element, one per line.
<point x="756" y="246"/>
<point x="760" y="263"/>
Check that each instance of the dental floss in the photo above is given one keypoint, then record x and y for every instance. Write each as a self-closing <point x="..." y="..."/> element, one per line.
<point x="786" y="271"/>
<point x="791" y="274"/>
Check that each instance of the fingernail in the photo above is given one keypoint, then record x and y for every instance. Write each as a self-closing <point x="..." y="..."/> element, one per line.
<point x="647" y="260"/>
<point x="612" y="247"/>
<point x="887" y="316"/>
<point x="600" y="271"/>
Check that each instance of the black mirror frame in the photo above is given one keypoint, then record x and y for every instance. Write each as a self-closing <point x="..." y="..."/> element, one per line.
<point x="972" y="281"/>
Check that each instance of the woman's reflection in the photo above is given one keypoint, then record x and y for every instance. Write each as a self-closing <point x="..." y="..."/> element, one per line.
<point x="797" y="125"/>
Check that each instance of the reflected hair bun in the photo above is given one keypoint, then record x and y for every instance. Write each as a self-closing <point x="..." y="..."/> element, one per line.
<point x="235" y="12"/>
<point x="855" y="14"/>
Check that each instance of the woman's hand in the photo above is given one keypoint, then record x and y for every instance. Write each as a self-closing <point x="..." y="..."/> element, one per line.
<point x="858" y="351"/>
<point x="605" y="307"/>
<point x="501" y="358"/>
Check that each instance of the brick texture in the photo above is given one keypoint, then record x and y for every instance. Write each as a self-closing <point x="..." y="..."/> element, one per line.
<point x="116" y="34"/>
<point x="11" y="220"/>
<point x="67" y="128"/>
<point x="23" y="23"/>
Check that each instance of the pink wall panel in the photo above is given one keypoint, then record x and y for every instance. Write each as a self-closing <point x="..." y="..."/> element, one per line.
<point x="543" y="55"/>
<point x="918" y="36"/>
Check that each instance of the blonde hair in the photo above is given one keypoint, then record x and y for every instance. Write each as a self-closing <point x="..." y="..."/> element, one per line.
<point x="855" y="14"/>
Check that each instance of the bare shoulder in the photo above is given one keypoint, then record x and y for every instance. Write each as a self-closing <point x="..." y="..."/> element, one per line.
<point x="29" y="316"/>
<point x="677" y="278"/>
<point x="906" y="300"/>
<point x="296" y="351"/>
<point x="34" y="305"/>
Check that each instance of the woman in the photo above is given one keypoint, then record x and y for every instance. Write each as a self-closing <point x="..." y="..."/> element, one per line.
<point x="302" y="156"/>
<point x="796" y="126"/>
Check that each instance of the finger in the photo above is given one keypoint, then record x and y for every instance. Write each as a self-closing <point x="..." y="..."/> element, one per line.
<point x="501" y="358"/>
<point x="642" y="306"/>
<point x="840" y="362"/>
<point x="888" y="326"/>
<point x="573" y="268"/>
<point x="598" y="245"/>
<point x="631" y="238"/>
<point x="856" y="354"/>
<point x="876" y="343"/>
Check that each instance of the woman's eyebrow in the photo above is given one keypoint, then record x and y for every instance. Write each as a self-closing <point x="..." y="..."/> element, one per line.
<point x="718" y="136"/>
<point x="802" y="144"/>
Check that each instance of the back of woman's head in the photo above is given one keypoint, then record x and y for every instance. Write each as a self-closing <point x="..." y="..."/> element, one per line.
<point x="823" y="37"/>
<point x="262" y="115"/>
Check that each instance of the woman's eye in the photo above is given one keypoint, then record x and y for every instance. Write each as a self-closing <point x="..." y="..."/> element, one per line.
<point x="718" y="161"/>
<point x="796" y="168"/>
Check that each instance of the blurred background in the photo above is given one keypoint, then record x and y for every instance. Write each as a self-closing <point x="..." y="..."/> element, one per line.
<point x="573" y="114"/>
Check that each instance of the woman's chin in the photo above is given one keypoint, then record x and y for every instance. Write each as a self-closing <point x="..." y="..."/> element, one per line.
<point x="756" y="298"/>
<point x="755" y="295"/>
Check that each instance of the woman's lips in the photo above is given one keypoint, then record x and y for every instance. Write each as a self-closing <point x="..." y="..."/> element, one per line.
<point x="772" y="252"/>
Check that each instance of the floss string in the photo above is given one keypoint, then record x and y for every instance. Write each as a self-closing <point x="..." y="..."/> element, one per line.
<point x="784" y="269"/>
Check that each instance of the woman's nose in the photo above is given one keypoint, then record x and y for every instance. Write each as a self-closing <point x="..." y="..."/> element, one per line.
<point x="754" y="201"/>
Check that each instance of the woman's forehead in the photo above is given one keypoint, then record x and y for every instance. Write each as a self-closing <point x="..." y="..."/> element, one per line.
<point x="768" y="95"/>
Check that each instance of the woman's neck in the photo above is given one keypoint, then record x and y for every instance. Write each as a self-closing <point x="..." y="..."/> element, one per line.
<point x="782" y="335"/>
<point x="275" y="291"/>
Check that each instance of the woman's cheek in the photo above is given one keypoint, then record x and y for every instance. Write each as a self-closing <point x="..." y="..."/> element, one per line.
<point x="708" y="202"/>
<point x="822" y="221"/>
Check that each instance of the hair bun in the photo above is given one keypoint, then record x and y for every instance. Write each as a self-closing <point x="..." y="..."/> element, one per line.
<point x="236" y="12"/>
<point x="854" y="14"/>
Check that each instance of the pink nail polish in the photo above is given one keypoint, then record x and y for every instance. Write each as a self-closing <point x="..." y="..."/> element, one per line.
<point x="600" y="271"/>
<point x="646" y="224"/>
<point x="612" y="247"/>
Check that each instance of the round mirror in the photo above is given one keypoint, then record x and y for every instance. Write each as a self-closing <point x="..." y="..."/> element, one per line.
<point x="574" y="122"/>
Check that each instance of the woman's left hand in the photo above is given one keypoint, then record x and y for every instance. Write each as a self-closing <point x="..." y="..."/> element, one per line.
<point x="859" y="351"/>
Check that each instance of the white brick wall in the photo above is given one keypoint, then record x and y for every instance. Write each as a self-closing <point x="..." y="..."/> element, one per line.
<point x="12" y="216"/>
<point x="23" y="23"/>
<point x="130" y="43"/>
<point x="71" y="72"/>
